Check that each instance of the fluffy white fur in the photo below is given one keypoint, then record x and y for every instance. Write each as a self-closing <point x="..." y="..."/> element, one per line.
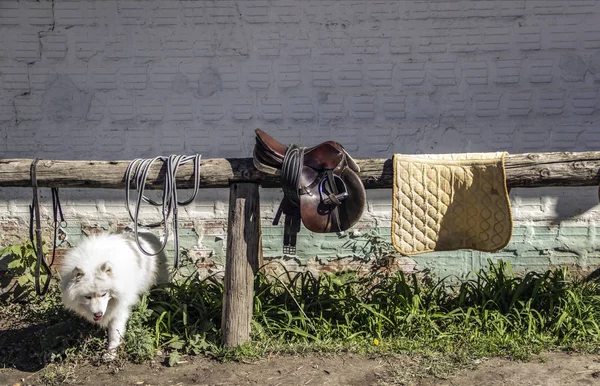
<point x="105" y="275"/>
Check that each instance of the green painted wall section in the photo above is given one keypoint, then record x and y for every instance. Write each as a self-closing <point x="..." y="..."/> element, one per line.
<point x="532" y="247"/>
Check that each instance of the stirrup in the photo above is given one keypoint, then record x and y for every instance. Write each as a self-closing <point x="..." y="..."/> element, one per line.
<point x="333" y="198"/>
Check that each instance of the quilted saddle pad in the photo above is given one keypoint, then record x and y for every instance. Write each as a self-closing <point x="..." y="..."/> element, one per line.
<point x="445" y="202"/>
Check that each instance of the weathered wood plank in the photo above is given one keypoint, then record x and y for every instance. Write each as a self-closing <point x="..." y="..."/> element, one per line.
<point x="215" y="173"/>
<point x="522" y="170"/>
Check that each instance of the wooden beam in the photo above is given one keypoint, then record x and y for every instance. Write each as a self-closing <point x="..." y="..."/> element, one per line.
<point x="522" y="171"/>
<point x="244" y="253"/>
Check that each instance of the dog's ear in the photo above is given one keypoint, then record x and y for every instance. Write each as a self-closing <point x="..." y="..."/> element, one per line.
<point x="106" y="268"/>
<point x="77" y="274"/>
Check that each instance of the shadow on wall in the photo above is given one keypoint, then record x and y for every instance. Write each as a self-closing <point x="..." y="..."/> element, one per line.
<point x="559" y="204"/>
<point x="541" y="204"/>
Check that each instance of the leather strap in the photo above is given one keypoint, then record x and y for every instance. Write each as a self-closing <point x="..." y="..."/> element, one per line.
<point x="333" y="191"/>
<point x="34" y="211"/>
<point x="58" y="224"/>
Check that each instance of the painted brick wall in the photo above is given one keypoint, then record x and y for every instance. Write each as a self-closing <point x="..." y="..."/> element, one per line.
<point x="126" y="79"/>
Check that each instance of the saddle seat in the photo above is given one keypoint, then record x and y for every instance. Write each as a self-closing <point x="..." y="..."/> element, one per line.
<point x="269" y="153"/>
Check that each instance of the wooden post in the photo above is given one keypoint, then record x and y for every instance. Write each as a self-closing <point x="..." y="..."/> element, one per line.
<point x="243" y="261"/>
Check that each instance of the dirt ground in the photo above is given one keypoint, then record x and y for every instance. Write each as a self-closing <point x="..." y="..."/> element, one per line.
<point x="547" y="369"/>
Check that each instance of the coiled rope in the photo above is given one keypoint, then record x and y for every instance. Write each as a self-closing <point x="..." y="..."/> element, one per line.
<point x="291" y="169"/>
<point x="139" y="169"/>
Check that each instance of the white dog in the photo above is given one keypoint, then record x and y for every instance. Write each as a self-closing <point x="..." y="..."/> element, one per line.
<point x="105" y="275"/>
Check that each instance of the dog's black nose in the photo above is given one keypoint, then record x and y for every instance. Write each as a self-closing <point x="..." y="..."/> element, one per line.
<point x="98" y="314"/>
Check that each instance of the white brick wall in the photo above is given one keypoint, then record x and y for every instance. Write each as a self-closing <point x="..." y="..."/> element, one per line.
<point x="124" y="79"/>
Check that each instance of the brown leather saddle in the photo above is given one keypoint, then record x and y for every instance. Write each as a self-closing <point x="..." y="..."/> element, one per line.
<point x="320" y="185"/>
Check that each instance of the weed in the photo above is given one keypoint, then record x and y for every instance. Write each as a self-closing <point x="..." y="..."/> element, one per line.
<point x="139" y="343"/>
<point x="58" y="374"/>
<point x="19" y="261"/>
<point x="184" y="316"/>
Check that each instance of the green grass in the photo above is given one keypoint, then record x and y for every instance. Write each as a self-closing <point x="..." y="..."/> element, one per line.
<point x="493" y="312"/>
<point x="446" y="323"/>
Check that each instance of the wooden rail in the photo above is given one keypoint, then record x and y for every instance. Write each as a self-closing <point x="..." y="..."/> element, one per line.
<point x="522" y="171"/>
<point x="244" y="252"/>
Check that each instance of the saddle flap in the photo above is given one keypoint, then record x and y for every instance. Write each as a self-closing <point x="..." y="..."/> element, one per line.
<point x="319" y="217"/>
<point x="351" y="163"/>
